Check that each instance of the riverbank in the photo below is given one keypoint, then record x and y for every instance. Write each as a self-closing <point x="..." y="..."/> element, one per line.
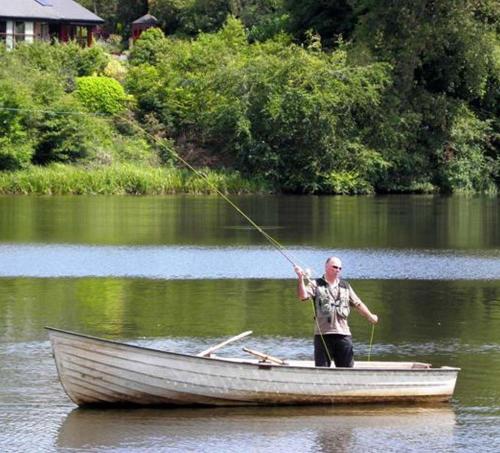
<point x="124" y="179"/>
<point x="137" y="179"/>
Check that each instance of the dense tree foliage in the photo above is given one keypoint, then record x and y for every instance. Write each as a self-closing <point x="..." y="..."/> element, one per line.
<point x="332" y="20"/>
<point x="263" y="18"/>
<point x="337" y="96"/>
<point x="44" y="93"/>
<point x="118" y="14"/>
<point x="277" y="109"/>
<point x="446" y="82"/>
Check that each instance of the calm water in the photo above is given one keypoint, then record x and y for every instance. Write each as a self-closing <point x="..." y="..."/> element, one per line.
<point x="181" y="273"/>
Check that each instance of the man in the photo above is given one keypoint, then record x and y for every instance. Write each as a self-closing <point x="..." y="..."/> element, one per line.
<point x="332" y="297"/>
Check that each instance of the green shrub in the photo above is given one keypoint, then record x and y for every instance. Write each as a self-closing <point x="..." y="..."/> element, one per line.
<point x="115" y="69"/>
<point x="90" y="60"/>
<point x="149" y="47"/>
<point x="16" y="147"/>
<point x="101" y="95"/>
<point x="62" y="135"/>
<point x="15" y="154"/>
<point x="133" y="149"/>
<point x="67" y="60"/>
<point x="464" y="165"/>
<point x="290" y="114"/>
<point x="49" y="123"/>
<point x="346" y="183"/>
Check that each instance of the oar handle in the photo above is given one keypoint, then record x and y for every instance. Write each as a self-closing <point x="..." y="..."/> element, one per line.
<point x="265" y="357"/>
<point x="208" y="351"/>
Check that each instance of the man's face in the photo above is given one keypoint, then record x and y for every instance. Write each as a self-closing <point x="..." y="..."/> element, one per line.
<point x="332" y="268"/>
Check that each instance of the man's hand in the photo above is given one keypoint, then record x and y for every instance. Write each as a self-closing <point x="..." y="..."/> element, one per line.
<point x="299" y="271"/>
<point x="373" y="318"/>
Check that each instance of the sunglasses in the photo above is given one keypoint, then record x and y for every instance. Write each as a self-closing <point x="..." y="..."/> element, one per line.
<point x="337" y="267"/>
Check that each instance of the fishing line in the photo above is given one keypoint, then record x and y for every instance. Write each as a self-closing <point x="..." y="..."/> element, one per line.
<point x="59" y="112"/>
<point x="276" y="244"/>
<point x="371" y="342"/>
<point x="202" y="175"/>
<point x="313" y="305"/>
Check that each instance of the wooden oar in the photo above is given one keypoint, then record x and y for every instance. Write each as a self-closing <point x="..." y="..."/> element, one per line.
<point x="265" y="357"/>
<point x="208" y="351"/>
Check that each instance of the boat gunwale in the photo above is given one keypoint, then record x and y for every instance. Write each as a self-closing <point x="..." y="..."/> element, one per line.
<point x="445" y="369"/>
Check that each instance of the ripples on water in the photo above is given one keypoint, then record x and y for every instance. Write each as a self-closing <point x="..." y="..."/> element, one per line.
<point x="379" y="238"/>
<point x="301" y="349"/>
<point x="43" y="408"/>
<point x="238" y="263"/>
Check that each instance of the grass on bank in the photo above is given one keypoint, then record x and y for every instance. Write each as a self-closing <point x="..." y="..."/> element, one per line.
<point x="124" y="180"/>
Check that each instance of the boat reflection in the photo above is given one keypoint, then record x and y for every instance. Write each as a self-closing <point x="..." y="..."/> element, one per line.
<point x="316" y="428"/>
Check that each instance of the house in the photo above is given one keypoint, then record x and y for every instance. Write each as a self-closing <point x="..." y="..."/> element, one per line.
<point x="27" y="20"/>
<point x="143" y="23"/>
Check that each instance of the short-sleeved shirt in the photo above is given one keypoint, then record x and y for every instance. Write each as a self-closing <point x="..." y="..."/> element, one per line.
<point x="334" y="324"/>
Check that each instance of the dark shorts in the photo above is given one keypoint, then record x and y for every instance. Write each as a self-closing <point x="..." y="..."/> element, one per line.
<point x="339" y="348"/>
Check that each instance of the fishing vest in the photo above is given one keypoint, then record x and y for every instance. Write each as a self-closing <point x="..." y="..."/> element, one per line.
<point x="326" y="305"/>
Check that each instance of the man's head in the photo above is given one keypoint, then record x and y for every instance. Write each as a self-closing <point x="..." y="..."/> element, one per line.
<point x="333" y="266"/>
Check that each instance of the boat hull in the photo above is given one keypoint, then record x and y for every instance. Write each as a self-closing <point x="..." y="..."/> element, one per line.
<point x="94" y="371"/>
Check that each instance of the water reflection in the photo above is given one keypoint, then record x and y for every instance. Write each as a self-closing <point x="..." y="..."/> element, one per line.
<point x="428" y="265"/>
<point x="315" y="429"/>
<point x="407" y="222"/>
<point x="430" y="315"/>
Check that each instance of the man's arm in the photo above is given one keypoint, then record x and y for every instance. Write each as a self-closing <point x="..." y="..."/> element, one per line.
<point x="361" y="307"/>
<point x="304" y="290"/>
<point x="364" y="311"/>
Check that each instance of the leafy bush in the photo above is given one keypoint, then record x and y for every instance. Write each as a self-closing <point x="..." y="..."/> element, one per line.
<point x="47" y="122"/>
<point x="63" y="135"/>
<point x="149" y="47"/>
<point x="463" y="161"/>
<point x="15" y="151"/>
<point x="67" y="60"/>
<point x="101" y="94"/>
<point x="16" y="147"/>
<point x="274" y="108"/>
<point x="115" y="69"/>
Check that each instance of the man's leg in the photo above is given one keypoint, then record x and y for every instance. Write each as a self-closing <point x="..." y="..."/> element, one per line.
<point x="343" y="352"/>
<point x="320" y="354"/>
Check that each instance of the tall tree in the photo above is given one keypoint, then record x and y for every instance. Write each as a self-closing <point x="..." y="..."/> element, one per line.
<point x="330" y="19"/>
<point x="118" y="14"/>
<point x="443" y="55"/>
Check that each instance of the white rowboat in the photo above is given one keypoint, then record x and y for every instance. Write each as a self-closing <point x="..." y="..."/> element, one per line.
<point x="95" y="371"/>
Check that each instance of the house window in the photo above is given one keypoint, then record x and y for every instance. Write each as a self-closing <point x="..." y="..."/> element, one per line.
<point x="19" y="31"/>
<point x="41" y="31"/>
<point x="3" y="30"/>
<point x="80" y="35"/>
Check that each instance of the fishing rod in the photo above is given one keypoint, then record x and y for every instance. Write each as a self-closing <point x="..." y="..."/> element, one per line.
<point x="274" y="243"/>
<point x="280" y="248"/>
